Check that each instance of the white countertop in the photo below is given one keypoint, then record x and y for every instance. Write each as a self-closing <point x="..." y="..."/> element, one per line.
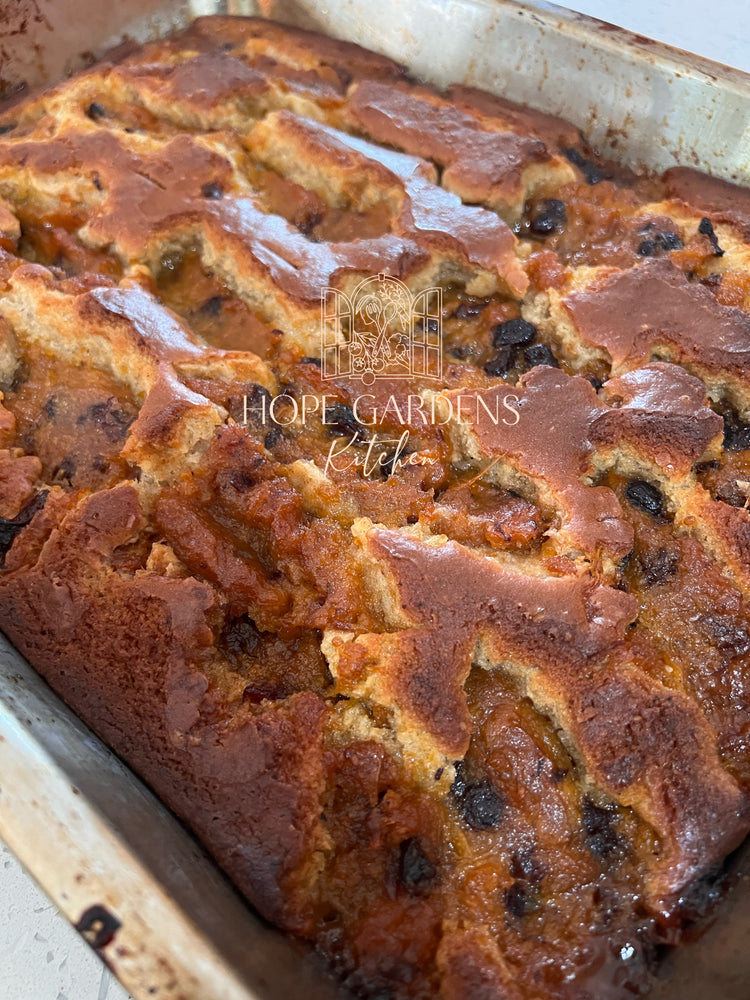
<point x="41" y="956"/>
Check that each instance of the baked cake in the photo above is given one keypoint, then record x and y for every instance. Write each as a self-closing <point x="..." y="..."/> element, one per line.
<point x="375" y="481"/>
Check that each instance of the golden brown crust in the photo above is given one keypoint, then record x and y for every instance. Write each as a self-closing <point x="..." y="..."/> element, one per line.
<point x="635" y="313"/>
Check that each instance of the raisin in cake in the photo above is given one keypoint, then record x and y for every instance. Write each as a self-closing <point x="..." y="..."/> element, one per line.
<point x="463" y="701"/>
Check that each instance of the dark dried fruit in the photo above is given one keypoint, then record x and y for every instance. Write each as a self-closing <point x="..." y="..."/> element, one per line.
<point x="540" y="354"/>
<point x="705" y="228"/>
<point x="340" y="420"/>
<point x="660" y="243"/>
<point x="548" y="218"/>
<point x="525" y="865"/>
<point x="240" y="636"/>
<point x="591" y="172"/>
<point x="212" y="306"/>
<point x="645" y="496"/>
<point x="95" y="111"/>
<point x="308" y="224"/>
<point x="212" y="190"/>
<point x="240" y="480"/>
<point x="596" y="382"/>
<point x="600" y="835"/>
<point x="4" y="129"/>
<point x="311" y="361"/>
<point x="65" y="471"/>
<point x="389" y="464"/>
<point x="468" y="310"/>
<point x="12" y="526"/>
<point x="657" y="567"/>
<point x="501" y="362"/>
<point x="736" y="433"/>
<point x="478" y="802"/>
<point x="253" y="408"/>
<point x="521" y="898"/>
<point x="518" y="332"/>
<point x="272" y="438"/>
<point x="415" y="870"/>
<point x="111" y="418"/>
<point x="704" y="893"/>
<point x="731" y="493"/>
<point x="726" y="634"/>
<point x="254" y="694"/>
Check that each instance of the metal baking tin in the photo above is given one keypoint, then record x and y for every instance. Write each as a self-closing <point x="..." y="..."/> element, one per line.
<point x="169" y="924"/>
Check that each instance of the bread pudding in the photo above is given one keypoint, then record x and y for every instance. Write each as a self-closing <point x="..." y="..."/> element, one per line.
<point x="374" y="480"/>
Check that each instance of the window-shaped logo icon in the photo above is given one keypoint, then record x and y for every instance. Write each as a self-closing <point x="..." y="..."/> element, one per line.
<point x="381" y="330"/>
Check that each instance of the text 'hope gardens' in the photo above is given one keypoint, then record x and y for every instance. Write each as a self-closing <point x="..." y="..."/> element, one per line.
<point x="414" y="410"/>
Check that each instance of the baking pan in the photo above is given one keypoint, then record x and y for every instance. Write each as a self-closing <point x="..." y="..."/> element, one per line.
<point x="119" y="866"/>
